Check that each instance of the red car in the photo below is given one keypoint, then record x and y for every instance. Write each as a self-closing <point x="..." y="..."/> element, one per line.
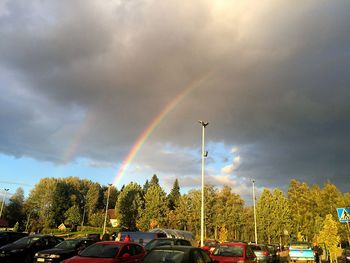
<point x="210" y="244"/>
<point x="110" y="252"/>
<point x="233" y="252"/>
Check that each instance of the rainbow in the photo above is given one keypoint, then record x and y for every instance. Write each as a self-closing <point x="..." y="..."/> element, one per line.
<point x="154" y="123"/>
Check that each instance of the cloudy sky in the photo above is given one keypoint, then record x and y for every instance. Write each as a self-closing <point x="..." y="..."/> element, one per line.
<point x="83" y="83"/>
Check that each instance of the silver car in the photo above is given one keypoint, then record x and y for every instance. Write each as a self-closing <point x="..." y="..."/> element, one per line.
<point x="261" y="252"/>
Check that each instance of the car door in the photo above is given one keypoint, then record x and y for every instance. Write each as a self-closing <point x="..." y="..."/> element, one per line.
<point x="251" y="258"/>
<point x="131" y="253"/>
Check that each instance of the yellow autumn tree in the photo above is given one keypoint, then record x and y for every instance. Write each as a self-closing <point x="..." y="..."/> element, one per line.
<point x="329" y="236"/>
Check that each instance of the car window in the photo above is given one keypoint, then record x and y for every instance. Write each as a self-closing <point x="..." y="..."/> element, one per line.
<point x="52" y="241"/>
<point x="256" y="248"/>
<point x="229" y="251"/>
<point x="197" y="257"/>
<point x="185" y="243"/>
<point x="138" y="250"/>
<point x="100" y="251"/>
<point x="160" y="255"/>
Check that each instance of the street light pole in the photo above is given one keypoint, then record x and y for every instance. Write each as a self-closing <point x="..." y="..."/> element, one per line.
<point x="104" y="225"/>
<point x="204" y="124"/>
<point x="3" y="201"/>
<point x="255" y="228"/>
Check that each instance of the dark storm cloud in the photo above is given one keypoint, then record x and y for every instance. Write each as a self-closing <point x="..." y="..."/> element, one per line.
<point x="277" y="84"/>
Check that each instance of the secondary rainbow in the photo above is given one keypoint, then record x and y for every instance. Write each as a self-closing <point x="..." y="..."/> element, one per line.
<point x="154" y="123"/>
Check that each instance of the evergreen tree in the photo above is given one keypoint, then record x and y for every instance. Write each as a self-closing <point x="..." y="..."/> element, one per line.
<point x="154" y="181"/>
<point x="127" y="207"/>
<point x="174" y="196"/>
<point x="145" y="187"/>
<point x="155" y="209"/>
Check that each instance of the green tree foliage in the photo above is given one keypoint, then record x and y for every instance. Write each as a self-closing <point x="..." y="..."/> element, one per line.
<point x="174" y="196"/>
<point x="154" y="180"/>
<point x="179" y="220"/>
<point x="15" y="212"/>
<point x="265" y="218"/>
<point x="329" y="236"/>
<point x="97" y="218"/>
<point x="155" y="209"/>
<point x="92" y="199"/>
<point x="301" y="207"/>
<point x="73" y="216"/>
<point x="331" y="199"/>
<point x="228" y="208"/>
<point x="127" y="206"/>
<point x="301" y="213"/>
<point x="281" y="224"/>
<point x="41" y="200"/>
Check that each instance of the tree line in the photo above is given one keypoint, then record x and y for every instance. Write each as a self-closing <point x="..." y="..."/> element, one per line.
<point x="300" y="213"/>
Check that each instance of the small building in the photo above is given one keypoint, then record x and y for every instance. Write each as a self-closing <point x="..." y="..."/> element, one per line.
<point x="112" y="217"/>
<point x="62" y="227"/>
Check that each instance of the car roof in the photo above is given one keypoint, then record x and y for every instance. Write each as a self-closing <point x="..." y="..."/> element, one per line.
<point x="116" y="242"/>
<point x="169" y="238"/>
<point x="234" y="243"/>
<point x="176" y="247"/>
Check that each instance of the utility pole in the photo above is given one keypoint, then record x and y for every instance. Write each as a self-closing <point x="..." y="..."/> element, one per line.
<point x="104" y="225"/>
<point x="255" y="228"/>
<point x="204" y="154"/>
<point x="3" y="201"/>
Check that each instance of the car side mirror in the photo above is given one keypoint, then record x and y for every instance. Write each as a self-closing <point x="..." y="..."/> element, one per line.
<point x="126" y="255"/>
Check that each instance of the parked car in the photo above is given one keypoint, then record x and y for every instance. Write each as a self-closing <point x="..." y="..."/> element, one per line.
<point x="166" y="242"/>
<point x="210" y="244"/>
<point x="233" y="252"/>
<point x="66" y="249"/>
<point x="261" y="252"/>
<point x="301" y="251"/>
<point x="109" y="251"/>
<point x="7" y="237"/>
<point x="139" y="237"/>
<point x="274" y="254"/>
<point x="177" y="254"/>
<point x="23" y="249"/>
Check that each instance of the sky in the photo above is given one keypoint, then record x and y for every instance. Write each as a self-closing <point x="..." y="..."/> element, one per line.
<point x="112" y="91"/>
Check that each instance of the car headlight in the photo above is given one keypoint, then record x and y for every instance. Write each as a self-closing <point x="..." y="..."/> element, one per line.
<point x="54" y="256"/>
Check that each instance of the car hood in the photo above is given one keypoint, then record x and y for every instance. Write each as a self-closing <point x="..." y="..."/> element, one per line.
<point x="12" y="246"/>
<point x="78" y="259"/>
<point x="57" y="251"/>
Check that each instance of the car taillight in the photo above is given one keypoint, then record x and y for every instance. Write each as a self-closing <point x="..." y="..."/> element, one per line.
<point x="265" y="253"/>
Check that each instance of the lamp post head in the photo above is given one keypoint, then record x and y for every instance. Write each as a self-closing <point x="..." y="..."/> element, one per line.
<point x="204" y="124"/>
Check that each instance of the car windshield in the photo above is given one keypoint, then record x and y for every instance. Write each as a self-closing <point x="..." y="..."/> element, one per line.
<point x="26" y="241"/>
<point x="229" y="251"/>
<point x="68" y="244"/>
<point x="159" y="255"/>
<point x="101" y="251"/>
<point x="158" y="243"/>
